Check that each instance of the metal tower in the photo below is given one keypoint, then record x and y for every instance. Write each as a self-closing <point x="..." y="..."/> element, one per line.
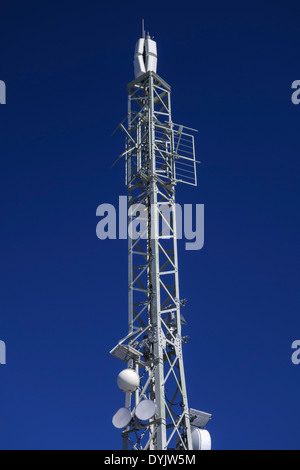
<point x="158" y="154"/>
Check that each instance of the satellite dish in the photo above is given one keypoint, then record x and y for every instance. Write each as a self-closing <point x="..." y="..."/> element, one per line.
<point x="121" y="418"/>
<point x="145" y="410"/>
<point x="201" y="439"/>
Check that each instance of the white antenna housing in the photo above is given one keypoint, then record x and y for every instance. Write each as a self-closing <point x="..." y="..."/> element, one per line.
<point x="145" y="56"/>
<point x="151" y="55"/>
<point x="128" y="380"/>
<point x="139" y="64"/>
<point x="201" y="439"/>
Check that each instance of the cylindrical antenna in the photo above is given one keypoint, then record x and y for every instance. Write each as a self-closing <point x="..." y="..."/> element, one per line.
<point x="143" y="28"/>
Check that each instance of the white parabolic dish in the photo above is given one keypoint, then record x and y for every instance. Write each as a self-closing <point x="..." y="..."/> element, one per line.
<point x="201" y="439"/>
<point x="145" y="410"/>
<point x="121" y="418"/>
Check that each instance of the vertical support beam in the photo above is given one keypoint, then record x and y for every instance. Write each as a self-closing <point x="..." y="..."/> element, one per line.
<point x="155" y="299"/>
<point x="130" y="272"/>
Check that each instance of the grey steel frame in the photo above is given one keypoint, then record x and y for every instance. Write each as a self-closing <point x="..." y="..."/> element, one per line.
<point x="158" y="154"/>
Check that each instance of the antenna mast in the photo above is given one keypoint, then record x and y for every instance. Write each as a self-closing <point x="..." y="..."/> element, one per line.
<point x="158" y="154"/>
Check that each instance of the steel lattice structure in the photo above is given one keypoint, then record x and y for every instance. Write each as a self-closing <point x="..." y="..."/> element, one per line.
<point x="158" y="154"/>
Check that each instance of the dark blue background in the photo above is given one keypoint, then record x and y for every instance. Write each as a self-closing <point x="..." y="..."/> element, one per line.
<point x="64" y="292"/>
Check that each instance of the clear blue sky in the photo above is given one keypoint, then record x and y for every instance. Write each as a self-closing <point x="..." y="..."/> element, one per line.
<point x="63" y="296"/>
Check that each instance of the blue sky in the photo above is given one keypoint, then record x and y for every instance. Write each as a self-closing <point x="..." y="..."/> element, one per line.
<point x="64" y="292"/>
